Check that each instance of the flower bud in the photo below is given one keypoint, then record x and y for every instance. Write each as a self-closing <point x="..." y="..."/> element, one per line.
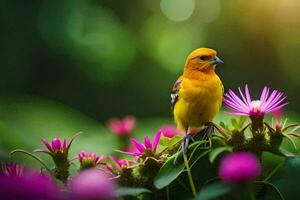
<point x="239" y="167"/>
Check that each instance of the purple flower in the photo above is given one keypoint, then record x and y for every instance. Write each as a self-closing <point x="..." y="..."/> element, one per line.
<point x="254" y="108"/>
<point x="148" y="147"/>
<point x="239" y="167"/>
<point x="57" y="146"/>
<point x="170" y="131"/>
<point x="88" y="160"/>
<point x="28" y="186"/>
<point x="12" y="169"/>
<point x="119" y="164"/>
<point x="122" y="127"/>
<point x="91" y="184"/>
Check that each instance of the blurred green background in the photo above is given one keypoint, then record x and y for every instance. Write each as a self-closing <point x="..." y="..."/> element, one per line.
<point x="69" y="65"/>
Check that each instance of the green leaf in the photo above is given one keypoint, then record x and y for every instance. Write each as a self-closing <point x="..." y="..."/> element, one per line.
<point x="167" y="142"/>
<point x="275" y="190"/>
<point x="234" y="122"/>
<point x="128" y="191"/>
<point x="287" y="179"/>
<point x="217" y="151"/>
<point x="168" y="172"/>
<point x="286" y="153"/>
<point x="242" y="120"/>
<point x="213" y="191"/>
<point x="223" y="125"/>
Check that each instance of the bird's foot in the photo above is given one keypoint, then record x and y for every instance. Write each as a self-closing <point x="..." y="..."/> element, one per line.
<point x="186" y="141"/>
<point x="184" y="146"/>
<point x="208" y="130"/>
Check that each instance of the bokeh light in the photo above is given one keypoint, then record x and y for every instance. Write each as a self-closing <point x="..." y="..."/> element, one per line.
<point x="207" y="11"/>
<point x="169" y="43"/>
<point x="177" y="10"/>
<point x="92" y="35"/>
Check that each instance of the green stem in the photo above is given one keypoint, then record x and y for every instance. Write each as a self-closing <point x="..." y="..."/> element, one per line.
<point x="189" y="174"/>
<point x="252" y="195"/>
<point x="168" y="193"/>
<point x="33" y="156"/>
<point x="273" y="171"/>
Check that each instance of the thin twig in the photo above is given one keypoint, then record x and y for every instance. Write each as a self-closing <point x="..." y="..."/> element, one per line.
<point x="33" y="156"/>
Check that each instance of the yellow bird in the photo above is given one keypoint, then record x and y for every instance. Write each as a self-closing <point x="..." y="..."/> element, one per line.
<point x="197" y="94"/>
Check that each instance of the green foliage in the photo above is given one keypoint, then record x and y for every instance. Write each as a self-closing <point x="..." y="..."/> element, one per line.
<point x="287" y="178"/>
<point x="126" y="191"/>
<point x="217" y="151"/>
<point x="213" y="191"/>
<point x="168" y="142"/>
<point x="168" y="172"/>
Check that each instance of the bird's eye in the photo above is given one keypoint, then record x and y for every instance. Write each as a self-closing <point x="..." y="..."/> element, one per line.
<point x="203" y="57"/>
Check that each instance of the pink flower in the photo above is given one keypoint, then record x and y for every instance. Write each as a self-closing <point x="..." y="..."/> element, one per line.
<point x="29" y="186"/>
<point x="122" y="127"/>
<point x="13" y="169"/>
<point x="91" y="184"/>
<point x="88" y="160"/>
<point x="119" y="164"/>
<point x="57" y="146"/>
<point x="239" y="167"/>
<point x="254" y="108"/>
<point x="146" y="147"/>
<point x="169" y="131"/>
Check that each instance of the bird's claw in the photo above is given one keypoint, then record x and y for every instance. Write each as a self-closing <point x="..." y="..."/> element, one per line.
<point x="184" y="146"/>
<point x="186" y="141"/>
<point x="208" y="131"/>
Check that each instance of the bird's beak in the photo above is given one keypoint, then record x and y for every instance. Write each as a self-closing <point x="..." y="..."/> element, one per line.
<point x="216" y="60"/>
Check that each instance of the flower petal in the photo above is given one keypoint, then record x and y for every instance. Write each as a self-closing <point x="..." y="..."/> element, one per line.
<point x="71" y="141"/>
<point x="156" y="140"/>
<point x="42" y="151"/>
<point x="139" y="146"/>
<point x="65" y="144"/>
<point x="46" y="143"/>
<point x="56" y="144"/>
<point x="147" y="143"/>
<point x="248" y="96"/>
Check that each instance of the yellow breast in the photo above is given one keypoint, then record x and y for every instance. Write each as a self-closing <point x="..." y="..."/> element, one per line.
<point x="199" y="101"/>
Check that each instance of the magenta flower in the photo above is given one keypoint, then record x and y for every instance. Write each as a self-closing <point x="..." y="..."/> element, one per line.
<point x="254" y="108"/>
<point x="29" y="186"/>
<point x="147" y="148"/>
<point x="170" y="131"/>
<point x="57" y="146"/>
<point x="59" y="151"/>
<point x="120" y="163"/>
<point x="122" y="127"/>
<point x="91" y="184"/>
<point x="239" y="167"/>
<point x="88" y="160"/>
<point x="118" y="166"/>
<point x="13" y="169"/>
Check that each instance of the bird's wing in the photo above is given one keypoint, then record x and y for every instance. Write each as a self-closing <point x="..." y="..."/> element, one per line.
<point x="175" y="92"/>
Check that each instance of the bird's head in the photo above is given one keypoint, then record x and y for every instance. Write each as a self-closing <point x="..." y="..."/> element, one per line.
<point x="203" y="60"/>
